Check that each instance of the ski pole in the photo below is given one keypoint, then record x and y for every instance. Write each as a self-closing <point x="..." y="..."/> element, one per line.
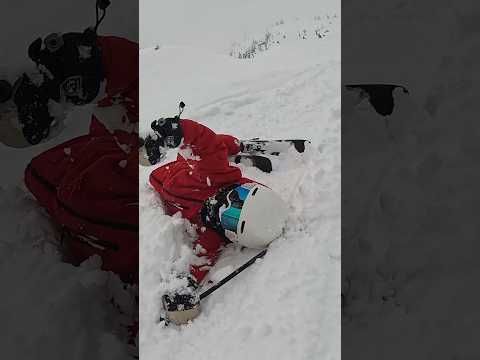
<point x="233" y="274"/>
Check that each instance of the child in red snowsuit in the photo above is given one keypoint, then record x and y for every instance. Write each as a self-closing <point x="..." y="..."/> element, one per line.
<point x="89" y="185"/>
<point x="214" y="196"/>
<point x="200" y="171"/>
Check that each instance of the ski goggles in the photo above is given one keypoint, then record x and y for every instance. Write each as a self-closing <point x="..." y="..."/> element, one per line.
<point x="230" y="213"/>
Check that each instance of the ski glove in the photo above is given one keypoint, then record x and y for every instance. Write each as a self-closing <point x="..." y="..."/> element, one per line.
<point x="33" y="113"/>
<point x="182" y="305"/>
<point x="153" y="146"/>
<point x="170" y="130"/>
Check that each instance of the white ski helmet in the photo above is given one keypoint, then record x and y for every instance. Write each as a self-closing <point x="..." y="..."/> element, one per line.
<point x="253" y="215"/>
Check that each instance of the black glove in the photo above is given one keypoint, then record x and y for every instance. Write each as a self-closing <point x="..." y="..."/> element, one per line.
<point x="170" y="130"/>
<point x="179" y="302"/>
<point x="184" y="298"/>
<point x="152" y="148"/>
<point x="32" y="106"/>
<point x="183" y="305"/>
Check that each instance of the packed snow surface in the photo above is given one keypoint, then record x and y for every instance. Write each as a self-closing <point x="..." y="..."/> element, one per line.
<point x="286" y="306"/>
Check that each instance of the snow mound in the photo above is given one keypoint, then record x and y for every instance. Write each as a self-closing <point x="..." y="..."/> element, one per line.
<point x="51" y="309"/>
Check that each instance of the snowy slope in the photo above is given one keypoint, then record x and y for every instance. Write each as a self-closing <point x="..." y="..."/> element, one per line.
<point x="288" y="305"/>
<point x="52" y="310"/>
<point x="216" y="24"/>
<point x="410" y="246"/>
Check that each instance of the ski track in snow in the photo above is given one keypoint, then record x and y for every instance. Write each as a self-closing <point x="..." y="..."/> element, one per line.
<point x="287" y="306"/>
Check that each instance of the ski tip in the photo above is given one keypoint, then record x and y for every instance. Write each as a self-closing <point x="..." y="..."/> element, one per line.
<point x="380" y="95"/>
<point x="299" y="146"/>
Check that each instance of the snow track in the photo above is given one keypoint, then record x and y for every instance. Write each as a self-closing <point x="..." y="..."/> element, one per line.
<point x="287" y="306"/>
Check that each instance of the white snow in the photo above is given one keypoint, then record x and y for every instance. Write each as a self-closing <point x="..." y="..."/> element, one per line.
<point x="50" y="309"/>
<point x="286" y="306"/>
<point x="187" y="153"/>
<point x="410" y="249"/>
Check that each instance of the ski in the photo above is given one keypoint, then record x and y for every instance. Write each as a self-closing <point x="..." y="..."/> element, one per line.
<point x="260" y="162"/>
<point x="272" y="147"/>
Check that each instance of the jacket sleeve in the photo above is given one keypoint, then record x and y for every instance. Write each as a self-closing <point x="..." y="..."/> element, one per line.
<point x="120" y="60"/>
<point x="208" y="150"/>
<point x="207" y="249"/>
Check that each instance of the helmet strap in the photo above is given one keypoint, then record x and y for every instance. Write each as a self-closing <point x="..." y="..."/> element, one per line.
<point x="210" y="212"/>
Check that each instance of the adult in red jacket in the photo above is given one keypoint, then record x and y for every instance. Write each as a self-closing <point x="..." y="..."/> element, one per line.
<point x="89" y="185"/>
<point x="214" y="196"/>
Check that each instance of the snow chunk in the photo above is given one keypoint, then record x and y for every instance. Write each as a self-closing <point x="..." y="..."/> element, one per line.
<point x="127" y="149"/>
<point x="200" y="261"/>
<point x="67" y="151"/>
<point x="209" y="183"/>
<point x="187" y="153"/>
<point x="199" y="249"/>
<point x="123" y="164"/>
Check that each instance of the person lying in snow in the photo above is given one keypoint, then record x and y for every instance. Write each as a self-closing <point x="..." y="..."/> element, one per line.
<point x="89" y="184"/>
<point x="213" y="195"/>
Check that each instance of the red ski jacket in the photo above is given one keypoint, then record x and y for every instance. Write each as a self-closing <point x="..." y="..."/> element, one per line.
<point x="89" y="185"/>
<point x="120" y="60"/>
<point x="201" y="169"/>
